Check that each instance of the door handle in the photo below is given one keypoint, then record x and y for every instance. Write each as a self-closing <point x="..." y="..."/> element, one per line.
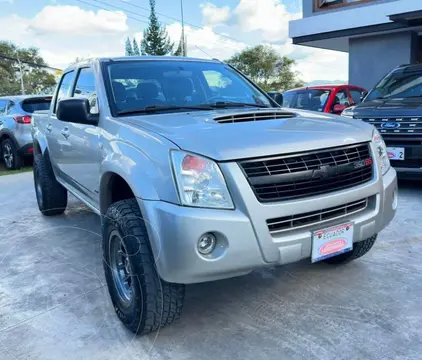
<point x="49" y="127"/>
<point x="1" y="122"/>
<point x="65" y="132"/>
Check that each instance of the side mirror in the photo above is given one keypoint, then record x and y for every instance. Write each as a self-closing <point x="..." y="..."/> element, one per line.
<point x="338" y="108"/>
<point x="76" y="110"/>
<point x="363" y="95"/>
<point x="277" y="97"/>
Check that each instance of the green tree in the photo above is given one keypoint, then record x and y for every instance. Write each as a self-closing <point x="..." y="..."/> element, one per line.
<point x="156" y="40"/>
<point x="135" y="48"/>
<point x="267" y="68"/>
<point x="36" y="79"/>
<point x="128" y="48"/>
<point x="181" y="50"/>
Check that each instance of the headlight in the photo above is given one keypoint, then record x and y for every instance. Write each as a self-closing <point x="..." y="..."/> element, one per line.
<point x="381" y="150"/>
<point x="200" y="181"/>
<point x="348" y="112"/>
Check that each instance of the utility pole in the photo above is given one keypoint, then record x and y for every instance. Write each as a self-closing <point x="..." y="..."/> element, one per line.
<point x="184" y="50"/>
<point x="21" y="72"/>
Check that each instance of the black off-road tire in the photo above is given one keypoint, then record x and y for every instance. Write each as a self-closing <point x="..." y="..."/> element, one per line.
<point x="359" y="249"/>
<point x="14" y="160"/>
<point x="51" y="195"/>
<point x="154" y="303"/>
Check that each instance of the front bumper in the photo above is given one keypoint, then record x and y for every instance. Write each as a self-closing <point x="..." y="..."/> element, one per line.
<point x="244" y="242"/>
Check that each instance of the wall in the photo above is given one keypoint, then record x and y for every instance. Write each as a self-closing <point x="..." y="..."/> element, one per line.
<point x="307" y="7"/>
<point x="370" y="58"/>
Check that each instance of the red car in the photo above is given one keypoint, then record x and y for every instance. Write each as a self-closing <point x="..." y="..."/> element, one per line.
<point x="324" y="98"/>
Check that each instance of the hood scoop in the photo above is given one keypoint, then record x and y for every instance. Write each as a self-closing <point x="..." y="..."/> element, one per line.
<point x="254" y="116"/>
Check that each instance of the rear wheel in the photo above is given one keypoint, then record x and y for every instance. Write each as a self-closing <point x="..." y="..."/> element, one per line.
<point x="11" y="158"/>
<point x="142" y="300"/>
<point x="51" y="195"/>
<point x="359" y="249"/>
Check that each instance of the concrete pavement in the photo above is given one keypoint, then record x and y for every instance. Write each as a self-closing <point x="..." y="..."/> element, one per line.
<point x="54" y="303"/>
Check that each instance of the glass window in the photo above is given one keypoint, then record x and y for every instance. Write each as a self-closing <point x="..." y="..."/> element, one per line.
<point x="85" y="88"/>
<point x="342" y="98"/>
<point x="36" y="104"/>
<point x="312" y="99"/>
<point x="332" y="4"/>
<point x="10" y="107"/>
<point x="398" y="85"/>
<point x="139" y="84"/>
<point x="64" y="87"/>
<point x="3" y="106"/>
<point x="356" y="95"/>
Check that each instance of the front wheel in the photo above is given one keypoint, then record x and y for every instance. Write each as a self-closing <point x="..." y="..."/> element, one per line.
<point x="142" y="300"/>
<point x="359" y="249"/>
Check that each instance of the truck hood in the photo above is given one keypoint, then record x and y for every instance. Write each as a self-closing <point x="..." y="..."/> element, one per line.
<point x="389" y="108"/>
<point x="198" y="132"/>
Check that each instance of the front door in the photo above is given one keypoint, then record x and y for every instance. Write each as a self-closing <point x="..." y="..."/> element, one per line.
<point x="54" y="126"/>
<point x="80" y="143"/>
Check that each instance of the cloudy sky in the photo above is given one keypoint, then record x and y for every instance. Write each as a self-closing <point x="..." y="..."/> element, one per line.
<point x="66" y="29"/>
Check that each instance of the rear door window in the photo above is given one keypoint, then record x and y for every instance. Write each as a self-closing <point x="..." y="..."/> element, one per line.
<point x="36" y="104"/>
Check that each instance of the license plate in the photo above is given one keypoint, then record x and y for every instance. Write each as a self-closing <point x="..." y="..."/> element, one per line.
<point x="332" y="241"/>
<point x="395" y="153"/>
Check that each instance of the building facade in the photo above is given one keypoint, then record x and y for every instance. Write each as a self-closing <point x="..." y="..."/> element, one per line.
<point x="378" y="35"/>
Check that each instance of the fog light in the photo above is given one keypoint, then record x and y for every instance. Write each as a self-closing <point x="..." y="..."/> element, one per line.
<point x="395" y="199"/>
<point x="206" y="244"/>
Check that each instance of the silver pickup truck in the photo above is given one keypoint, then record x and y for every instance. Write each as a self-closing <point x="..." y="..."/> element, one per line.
<point x="198" y="175"/>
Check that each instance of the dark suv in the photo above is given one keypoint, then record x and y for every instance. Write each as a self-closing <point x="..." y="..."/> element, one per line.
<point x="394" y="107"/>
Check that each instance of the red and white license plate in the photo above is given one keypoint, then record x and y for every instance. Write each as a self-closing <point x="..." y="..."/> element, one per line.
<point x="332" y="241"/>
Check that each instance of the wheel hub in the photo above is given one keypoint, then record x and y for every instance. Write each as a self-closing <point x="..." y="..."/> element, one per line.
<point x="121" y="269"/>
<point x="8" y="155"/>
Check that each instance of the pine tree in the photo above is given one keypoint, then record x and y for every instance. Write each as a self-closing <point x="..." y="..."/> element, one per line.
<point x="129" y="50"/>
<point x="156" y="40"/>
<point x="179" y="50"/>
<point x="135" y="48"/>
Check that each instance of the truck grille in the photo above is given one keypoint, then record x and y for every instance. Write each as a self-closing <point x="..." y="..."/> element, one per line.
<point x="397" y="125"/>
<point x="307" y="174"/>
<point x="298" y="221"/>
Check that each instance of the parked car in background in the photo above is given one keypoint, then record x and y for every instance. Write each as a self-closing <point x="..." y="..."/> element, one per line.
<point x="394" y="107"/>
<point x="323" y="98"/>
<point x="15" y="127"/>
<point x="202" y="177"/>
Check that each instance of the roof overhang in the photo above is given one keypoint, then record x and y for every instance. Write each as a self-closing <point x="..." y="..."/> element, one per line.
<point x="411" y="18"/>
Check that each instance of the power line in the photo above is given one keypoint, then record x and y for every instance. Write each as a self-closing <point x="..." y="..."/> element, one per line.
<point x="144" y="16"/>
<point x="28" y="62"/>
<point x="178" y="20"/>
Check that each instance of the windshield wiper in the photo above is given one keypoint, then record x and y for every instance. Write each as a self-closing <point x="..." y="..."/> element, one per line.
<point x="158" y="108"/>
<point x="227" y="104"/>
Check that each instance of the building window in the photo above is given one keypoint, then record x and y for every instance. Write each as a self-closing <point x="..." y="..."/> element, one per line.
<point x="321" y="5"/>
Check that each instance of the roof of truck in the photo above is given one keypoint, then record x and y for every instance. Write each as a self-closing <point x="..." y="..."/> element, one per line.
<point x="140" y="58"/>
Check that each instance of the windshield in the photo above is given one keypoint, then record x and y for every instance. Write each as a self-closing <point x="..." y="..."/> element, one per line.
<point x="137" y="85"/>
<point x="306" y="99"/>
<point x="398" y="85"/>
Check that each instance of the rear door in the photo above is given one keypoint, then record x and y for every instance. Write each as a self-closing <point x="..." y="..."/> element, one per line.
<point x="54" y="126"/>
<point x="82" y="151"/>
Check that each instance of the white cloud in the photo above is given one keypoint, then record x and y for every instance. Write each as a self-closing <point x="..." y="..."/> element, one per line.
<point x="63" y="33"/>
<point x="213" y="15"/>
<point x="74" y="20"/>
<point x="68" y="32"/>
<point x="267" y="16"/>
<point x="7" y="1"/>
<point x="205" y="41"/>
